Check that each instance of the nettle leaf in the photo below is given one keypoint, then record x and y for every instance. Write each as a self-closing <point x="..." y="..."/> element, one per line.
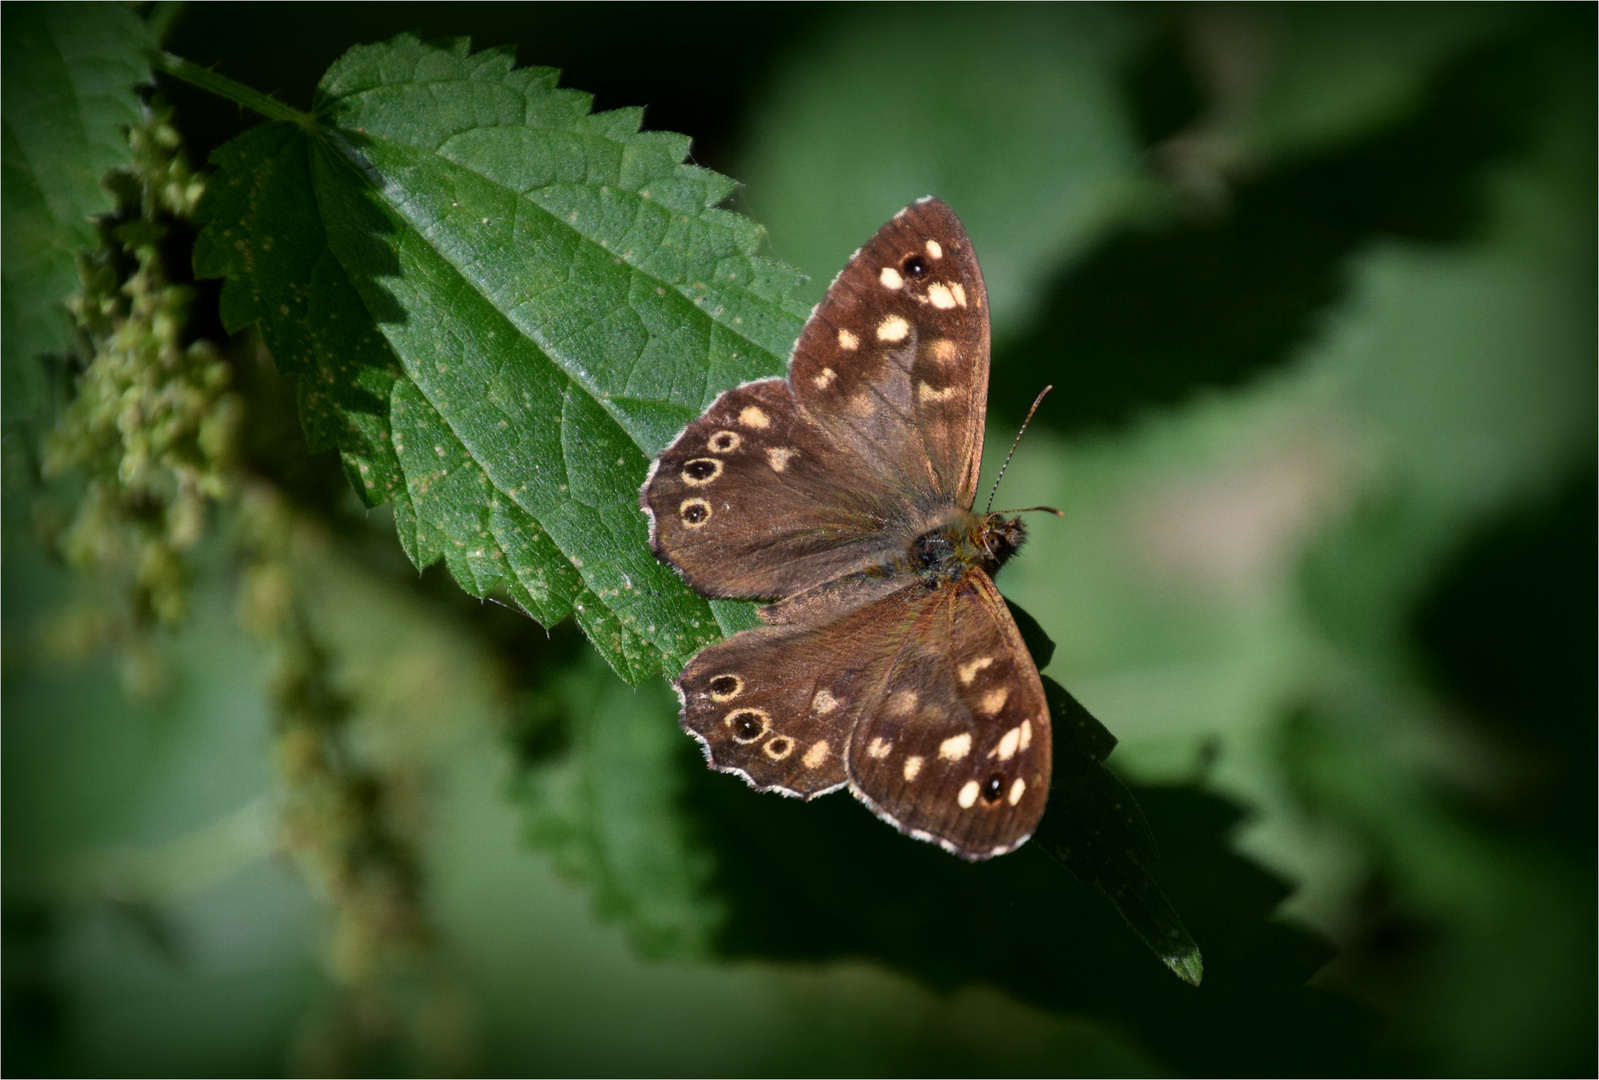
<point x="69" y="77"/>
<point x="500" y="307"/>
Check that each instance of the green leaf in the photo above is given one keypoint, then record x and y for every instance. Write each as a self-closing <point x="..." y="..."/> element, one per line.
<point x="68" y="85"/>
<point x="609" y="812"/>
<point x="500" y="307"/>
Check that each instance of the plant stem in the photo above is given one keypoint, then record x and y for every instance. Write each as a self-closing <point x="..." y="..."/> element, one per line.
<point x="225" y="87"/>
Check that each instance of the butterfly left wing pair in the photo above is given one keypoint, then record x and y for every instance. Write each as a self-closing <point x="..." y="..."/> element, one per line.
<point x="783" y="484"/>
<point x="925" y="702"/>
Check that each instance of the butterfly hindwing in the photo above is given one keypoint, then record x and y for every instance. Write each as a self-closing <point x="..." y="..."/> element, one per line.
<point x="956" y="746"/>
<point x="778" y="704"/>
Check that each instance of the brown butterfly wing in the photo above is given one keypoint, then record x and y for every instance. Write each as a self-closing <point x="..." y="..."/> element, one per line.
<point x="787" y="483"/>
<point x="955" y="746"/>
<point x="883" y="695"/>
<point x="894" y="362"/>
<point x="756" y="500"/>
<point x="777" y="704"/>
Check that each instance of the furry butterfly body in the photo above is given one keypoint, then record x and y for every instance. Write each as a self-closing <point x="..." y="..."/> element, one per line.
<point x="888" y="662"/>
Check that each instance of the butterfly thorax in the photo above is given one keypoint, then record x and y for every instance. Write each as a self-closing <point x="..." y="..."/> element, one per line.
<point x="969" y="541"/>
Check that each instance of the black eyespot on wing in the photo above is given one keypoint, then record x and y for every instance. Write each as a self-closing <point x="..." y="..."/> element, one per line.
<point x="723" y="684"/>
<point x="915" y="266"/>
<point x="694" y="513"/>
<point x="993" y="788"/>
<point x="700" y="468"/>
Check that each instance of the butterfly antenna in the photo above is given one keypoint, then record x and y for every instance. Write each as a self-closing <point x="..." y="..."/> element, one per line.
<point x="1039" y="400"/>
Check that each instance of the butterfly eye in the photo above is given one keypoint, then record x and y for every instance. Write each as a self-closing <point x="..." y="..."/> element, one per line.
<point x="993" y="788"/>
<point x="915" y="266"/>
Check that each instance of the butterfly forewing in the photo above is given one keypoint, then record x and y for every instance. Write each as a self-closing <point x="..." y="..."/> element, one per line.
<point x="894" y="362"/>
<point x="955" y="745"/>
<point x="754" y="500"/>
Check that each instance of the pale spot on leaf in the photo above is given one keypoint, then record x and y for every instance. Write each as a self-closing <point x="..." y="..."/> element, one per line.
<point x="893" y="328"/>
<point x="968" y="794"/>
<point x="955" y="747"/>
<point x="913" y="765"/>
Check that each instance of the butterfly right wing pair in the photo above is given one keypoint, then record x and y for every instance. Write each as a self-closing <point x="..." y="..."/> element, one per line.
<point x="924" y="700"/>
<point x="787" y="483"/>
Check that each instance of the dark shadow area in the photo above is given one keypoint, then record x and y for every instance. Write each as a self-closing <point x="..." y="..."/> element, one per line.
<point x="826" y="881"/>
<point x="1507" y="632"/>
<point x="693" y="71"/>
<point x="1156" y="315"/>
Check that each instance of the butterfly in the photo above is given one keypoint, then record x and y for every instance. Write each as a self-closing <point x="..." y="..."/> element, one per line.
<point x="887" y="662"/>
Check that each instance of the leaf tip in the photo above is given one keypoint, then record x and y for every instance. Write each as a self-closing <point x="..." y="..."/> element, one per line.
<point x="1188" y="966"/>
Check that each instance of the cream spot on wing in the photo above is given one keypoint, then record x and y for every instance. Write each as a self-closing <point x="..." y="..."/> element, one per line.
<point x="944" y="351"/>
<point x="847" y="341"/>
<point x="724" y="442"/>
<point x="890" y="278"/>
<point x="825" y="379"/>
<point x="913" y="765"/>
<point x="778" y="456"/>
<point x="861" y="405"/>
<point x="969" y="671"/>
<point x="893" y="328"/>
<point x="779" y="748"/>
<point x="1016" y="790"/>
<point x="751" y="416"/>
<point x="816" y="754"/>
<point x="994" y="700"/>
<point x="968" y="794"/>
<point x="955" y="747"/>
<point x="926" y="392"/>
<point x="959" y="292"/>
<point x="700" y="471"/>
<point x="933" y="250"/>
<point x="879" y="749"/>
<point x="1027" y="734"/>
<point x="1007" y="745"/>
<point x="901" y="702"/>
<point x="940" y="296"/>
<point x="824" y="702"/>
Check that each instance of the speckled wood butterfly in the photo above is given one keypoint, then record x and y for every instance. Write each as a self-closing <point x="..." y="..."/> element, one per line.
<point x="889" y="662"/>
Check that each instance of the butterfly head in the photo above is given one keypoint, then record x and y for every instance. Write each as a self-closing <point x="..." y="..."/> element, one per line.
<point x="1001" y="538"/>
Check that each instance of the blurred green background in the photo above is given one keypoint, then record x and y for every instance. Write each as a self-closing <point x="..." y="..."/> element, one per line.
<point x="1315" y="285"/>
